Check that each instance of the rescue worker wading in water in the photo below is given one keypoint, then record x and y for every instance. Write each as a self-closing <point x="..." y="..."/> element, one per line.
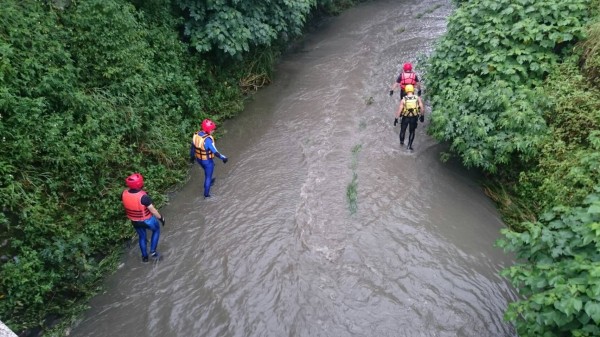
<point x="143" y="215"/>
<point x="406" y="77"/>
<point x="203" y="150"/>
<point x="411" y="110"/>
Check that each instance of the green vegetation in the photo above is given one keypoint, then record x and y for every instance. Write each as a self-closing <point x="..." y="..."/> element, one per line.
<point x="351" y="191"/>
<point x="514" y="91"/>
<point x="234" y="28"/>
<point x="559" y="277"/>
<point x="84" y="103"/>
<point x="485" y="73"/>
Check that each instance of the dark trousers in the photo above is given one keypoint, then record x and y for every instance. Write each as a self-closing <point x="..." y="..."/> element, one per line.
<point x="411" y="123"/>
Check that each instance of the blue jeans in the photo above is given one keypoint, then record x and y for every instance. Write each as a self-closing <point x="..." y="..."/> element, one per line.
<point x="141" y="227"/>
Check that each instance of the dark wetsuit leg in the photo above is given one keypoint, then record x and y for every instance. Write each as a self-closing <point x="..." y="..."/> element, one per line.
<point x="412" y="126"/>
<point x="403" y="125"/>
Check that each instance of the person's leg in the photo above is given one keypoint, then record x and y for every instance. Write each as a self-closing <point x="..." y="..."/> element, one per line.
<point x="142" y="241"/>
<point x="403" y="125"/>
<point x="208" y="166"/>
<point x="411" y="131"/>
<point x="154" y="226"/>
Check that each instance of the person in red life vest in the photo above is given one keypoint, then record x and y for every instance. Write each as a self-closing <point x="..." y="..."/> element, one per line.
<point x="143" y="215"/>
<point x="406" y="77"/>
<point x="203" y="150"/>
<point x="411" y="110"/>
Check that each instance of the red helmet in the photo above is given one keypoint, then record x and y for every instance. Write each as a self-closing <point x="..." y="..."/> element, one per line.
<point x="135" y="181"/>
<point x="407" y="67"/>
<point x="208" y="125"/>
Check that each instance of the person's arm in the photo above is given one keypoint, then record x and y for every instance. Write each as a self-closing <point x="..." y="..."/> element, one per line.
<point x="421" y="110"/>
<point x="147" y="201"/>
<point x="400" y="108"/>
<point x="209" y="144"/>
<point x="154" y="211"/>
<point x="395" y="85"/>
<point x="418" y="85"/>
<point x="398" y="112"/>
<point x="192" y="152"/>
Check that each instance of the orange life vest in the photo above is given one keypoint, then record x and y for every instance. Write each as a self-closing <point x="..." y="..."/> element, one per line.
<point x="201" y="152"/>
<point x="407" y="78"/>
<point x="134" y="209"/>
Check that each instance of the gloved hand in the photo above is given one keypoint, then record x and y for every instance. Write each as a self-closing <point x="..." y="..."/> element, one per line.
<point x="419" y="92"/>
<point x="224" y="159"/>
<point x="162" y="220"/>
<point x="391" y="92"/>
<point x="395" y="121"/>
<point x="422" y="118"/>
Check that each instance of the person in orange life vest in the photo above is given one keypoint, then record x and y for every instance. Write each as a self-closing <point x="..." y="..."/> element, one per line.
<point x="407" y="76"/>
<point x="143" y="215"/>
<point x="411" y="109"/>
<point x="203" y="151"/>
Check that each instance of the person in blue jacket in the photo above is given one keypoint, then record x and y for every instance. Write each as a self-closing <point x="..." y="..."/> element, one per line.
<point x="203" y="151"/>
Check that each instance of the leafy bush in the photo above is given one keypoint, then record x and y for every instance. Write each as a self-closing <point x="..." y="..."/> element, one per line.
<point x="234" y="28"/>
<point x="559" y="276"/>
<point x="565" y="174"/>
<point x="591" y="54"/>
<point x="488" y="124"/>
<point x="498" y="44"/>
<point x="568" y="165"/>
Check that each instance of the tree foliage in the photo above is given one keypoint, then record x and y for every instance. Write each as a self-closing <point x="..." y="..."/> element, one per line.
<point x="233" y="28"/>
<point x="489" y="123"/>
<point x="568" y="165"/>
<point x="503" y="43"/>
<point x="559" y="276"/>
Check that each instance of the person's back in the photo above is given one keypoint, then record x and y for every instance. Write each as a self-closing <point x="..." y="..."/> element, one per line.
<point x="203" y="150"/>
<point x="406" y="77"/>
<point x="411" y="105"/>
<point x="410" y="110"/>
<point x="142" y="213"/>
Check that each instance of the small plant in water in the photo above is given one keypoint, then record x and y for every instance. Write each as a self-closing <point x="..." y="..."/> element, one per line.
<point x="352" y="194"/>
<point x="351" y="190"/>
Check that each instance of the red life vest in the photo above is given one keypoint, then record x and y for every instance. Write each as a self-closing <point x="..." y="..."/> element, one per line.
<point x="134" y="209"/>
<point x="407" y="78"/>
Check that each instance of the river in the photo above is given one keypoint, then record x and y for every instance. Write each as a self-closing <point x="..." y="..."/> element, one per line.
<point x="283" y="250"/>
